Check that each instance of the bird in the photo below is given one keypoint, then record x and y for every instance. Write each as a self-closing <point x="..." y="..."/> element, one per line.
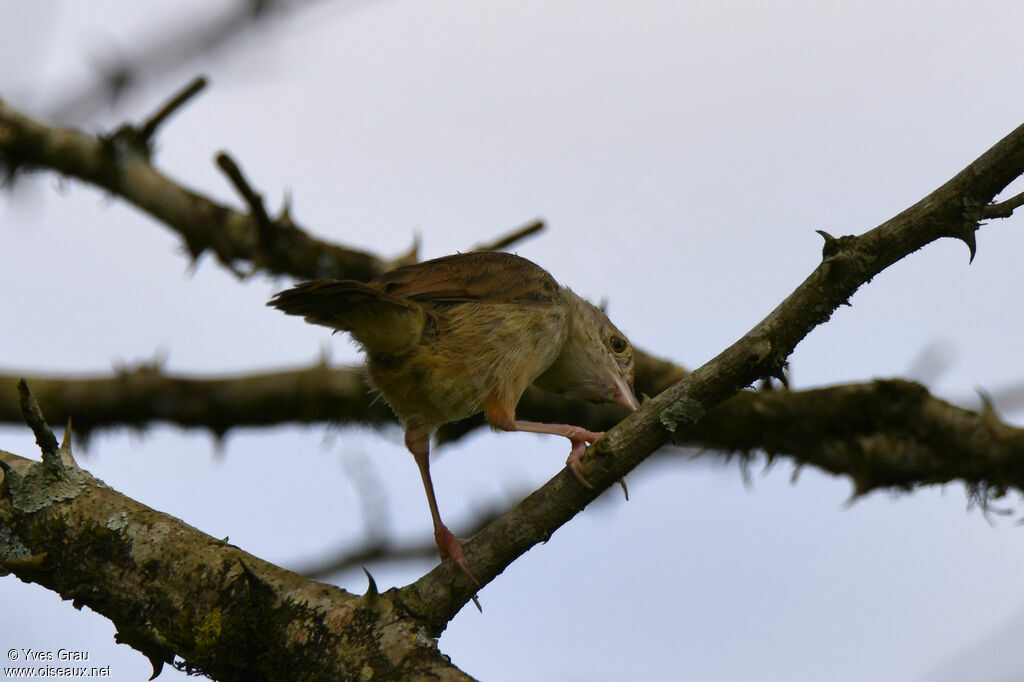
<point x="467" y="333"/>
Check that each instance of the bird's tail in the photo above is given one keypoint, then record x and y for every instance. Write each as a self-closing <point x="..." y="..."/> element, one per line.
<point x="381" y="323"/>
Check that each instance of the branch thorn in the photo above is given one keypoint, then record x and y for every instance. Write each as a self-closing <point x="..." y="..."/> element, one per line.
<point x="37" y="422"/>
<point x="831" y="246"/>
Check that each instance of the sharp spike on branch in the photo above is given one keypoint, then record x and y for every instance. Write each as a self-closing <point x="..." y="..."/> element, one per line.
<point x="66" y="458"/>
<point x="37" y="422"/>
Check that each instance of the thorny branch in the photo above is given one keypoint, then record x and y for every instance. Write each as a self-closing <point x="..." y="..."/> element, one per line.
<point x="120" y="163"/>
<point x="173" y="591"/>
<point x="143" y="395"/>
<point x="675" y="415"/>
<point x="952" y="210"/>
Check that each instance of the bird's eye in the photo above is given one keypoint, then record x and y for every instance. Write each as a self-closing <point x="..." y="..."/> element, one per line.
<point x="617" y="343"/>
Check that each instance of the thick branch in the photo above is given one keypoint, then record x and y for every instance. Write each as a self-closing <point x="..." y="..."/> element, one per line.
<point x="173" y="591"/>
<point x="884" y="434"/>
<point x="137" y="397"/>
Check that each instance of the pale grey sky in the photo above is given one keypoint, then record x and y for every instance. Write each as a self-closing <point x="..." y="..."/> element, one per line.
<point x="683" y="155"/>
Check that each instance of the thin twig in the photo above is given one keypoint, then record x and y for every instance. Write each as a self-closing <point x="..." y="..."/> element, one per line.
<point x="37" y="422"/>
<point x="512" y="237"/>
<point x="1003" y="209"/>
<point x="251" y="196"/>
<point x="147" y="131"/>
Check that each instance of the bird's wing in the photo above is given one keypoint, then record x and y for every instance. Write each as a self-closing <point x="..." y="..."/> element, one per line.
<point x="382" y="323"/>
<point x="482" y="276"/>
<point x="326" y="301"/>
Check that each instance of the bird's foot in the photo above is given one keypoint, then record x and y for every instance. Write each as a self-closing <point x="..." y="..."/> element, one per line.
<point x="579" y="442"/>
<point x="450" y="547"/>
<point x="579" y="439"/>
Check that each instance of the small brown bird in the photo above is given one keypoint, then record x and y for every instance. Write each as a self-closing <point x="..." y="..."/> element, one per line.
<point x="454" y="336"/>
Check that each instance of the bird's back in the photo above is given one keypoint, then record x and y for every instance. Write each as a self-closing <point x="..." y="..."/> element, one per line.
<point x="479" y="276"/>
<point x="443" y="335"/>
<point x="495" y="322"/>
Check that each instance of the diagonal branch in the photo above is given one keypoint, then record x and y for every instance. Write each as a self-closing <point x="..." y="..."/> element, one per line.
<point x="173" y="591"/>
<point x="952" y="210"/>
<point x="120" y="164"/>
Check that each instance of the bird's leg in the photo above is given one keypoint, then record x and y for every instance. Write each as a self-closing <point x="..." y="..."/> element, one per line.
<point x="503" y="417"/>
<point x="578" y="437"/>
<point x="417" y="439"/>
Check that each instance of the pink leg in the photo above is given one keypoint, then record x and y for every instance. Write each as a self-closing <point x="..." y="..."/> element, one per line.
<point x="417" y="439"/>
<point x="578" y="437"/>
<point x="503" y="418"/>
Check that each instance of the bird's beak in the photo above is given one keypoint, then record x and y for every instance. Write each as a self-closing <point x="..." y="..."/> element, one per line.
<point x="623" y="394"/>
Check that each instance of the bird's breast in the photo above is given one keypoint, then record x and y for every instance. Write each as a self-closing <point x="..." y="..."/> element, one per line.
<point x="468" y="352"/>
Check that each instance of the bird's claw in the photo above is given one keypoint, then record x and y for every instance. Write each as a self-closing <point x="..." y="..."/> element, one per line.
<point x="575" y="461"/>
<point x="579" y="441"/>
<point x="450" y="547"/>
<point x="576" y="467"/>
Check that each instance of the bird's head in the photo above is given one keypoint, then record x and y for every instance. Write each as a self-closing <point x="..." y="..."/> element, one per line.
<point x="596" y="360"/>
